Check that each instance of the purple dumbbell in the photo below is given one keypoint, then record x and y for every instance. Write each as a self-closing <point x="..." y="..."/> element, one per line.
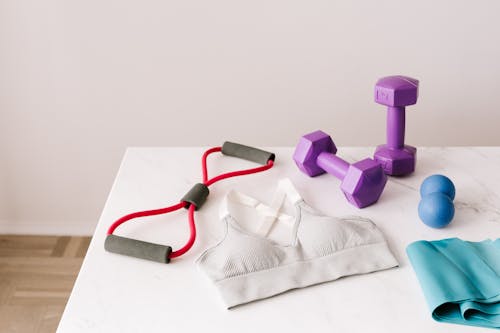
<point x="362" y="182"/>
<point x="396" y="92"/>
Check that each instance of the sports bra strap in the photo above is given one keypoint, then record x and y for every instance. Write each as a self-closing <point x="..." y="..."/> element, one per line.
<point x="284" y="190"/>
<point x="287" y="186"/>
<point x="267" y="220"/>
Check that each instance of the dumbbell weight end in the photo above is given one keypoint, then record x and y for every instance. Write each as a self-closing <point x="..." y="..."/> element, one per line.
<point x="396" y="162"/>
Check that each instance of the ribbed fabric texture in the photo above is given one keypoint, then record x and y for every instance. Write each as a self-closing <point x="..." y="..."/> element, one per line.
<point x="246" y="267"/>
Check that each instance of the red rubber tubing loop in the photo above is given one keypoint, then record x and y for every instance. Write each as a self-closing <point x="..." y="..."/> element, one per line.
<point x="204" y="162"/>
<point x="192" y="235"/>
<point x="143" y="214"/>
<point x="207" y="182"/>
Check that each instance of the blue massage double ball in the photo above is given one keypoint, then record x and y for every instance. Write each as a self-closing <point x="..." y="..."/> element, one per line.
<point x="436" y="209"/>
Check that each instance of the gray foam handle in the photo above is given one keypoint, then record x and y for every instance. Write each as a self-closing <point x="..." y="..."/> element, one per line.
<point x="197" y="196"/>
<point x="247" y="153"/>
<point x="139" y="249"/>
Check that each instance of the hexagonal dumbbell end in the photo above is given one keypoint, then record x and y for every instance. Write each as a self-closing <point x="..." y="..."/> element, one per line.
<point x="396" y="92"/>
<point x="364" y="182"/>
<point x="396" y="162"/>
<point x="308" y="149"/>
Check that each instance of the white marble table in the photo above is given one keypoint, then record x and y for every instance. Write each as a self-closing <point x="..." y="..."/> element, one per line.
<point x="115" y="293"/>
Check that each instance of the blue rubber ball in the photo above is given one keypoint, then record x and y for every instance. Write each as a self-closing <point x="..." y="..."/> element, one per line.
<point x="437" y="183"/>
<point x="436" y="210"/>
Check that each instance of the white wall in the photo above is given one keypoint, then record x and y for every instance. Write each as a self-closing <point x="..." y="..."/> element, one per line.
<point x="81" y="80"/>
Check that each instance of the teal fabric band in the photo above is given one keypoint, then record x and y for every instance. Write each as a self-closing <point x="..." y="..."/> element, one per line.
<point x="460" y="279"/>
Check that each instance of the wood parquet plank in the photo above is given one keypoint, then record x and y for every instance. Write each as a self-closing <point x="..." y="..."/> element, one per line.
<point x="60" y="246"/>
<point x="50" y="319"/>
<point x="37" y="274"/>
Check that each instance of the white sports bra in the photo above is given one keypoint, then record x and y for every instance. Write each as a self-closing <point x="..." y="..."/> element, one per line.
<point x="248" y="265"/>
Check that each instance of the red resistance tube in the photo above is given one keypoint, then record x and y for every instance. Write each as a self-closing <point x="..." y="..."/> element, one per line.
<point x="192" y="208"/>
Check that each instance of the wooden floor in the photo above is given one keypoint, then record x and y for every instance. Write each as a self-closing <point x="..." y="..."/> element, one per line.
<point x="37" y="274"/>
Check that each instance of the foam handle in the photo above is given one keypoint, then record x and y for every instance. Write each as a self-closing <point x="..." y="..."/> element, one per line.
<point x="139" y="249"/>
<point x="247" y="153"/>
<point x="197" y="196"/>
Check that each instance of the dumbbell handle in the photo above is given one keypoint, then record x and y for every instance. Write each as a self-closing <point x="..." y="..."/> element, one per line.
<point x="333" y="164"/>
<point x="395" y="127"/>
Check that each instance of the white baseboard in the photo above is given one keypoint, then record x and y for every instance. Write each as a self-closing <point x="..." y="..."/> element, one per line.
<point x="43" y="228"/>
